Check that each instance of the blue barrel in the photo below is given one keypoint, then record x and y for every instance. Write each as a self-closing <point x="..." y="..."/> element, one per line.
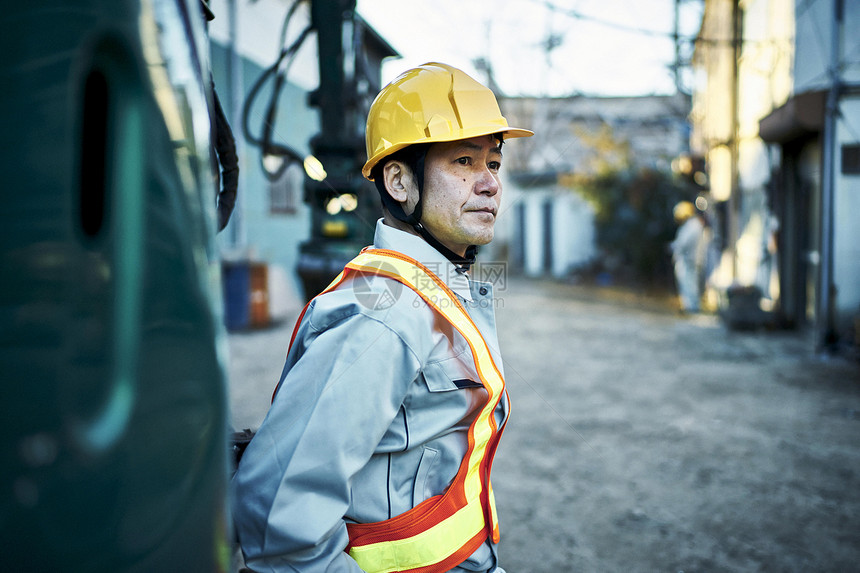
<point x="236" y="280"/>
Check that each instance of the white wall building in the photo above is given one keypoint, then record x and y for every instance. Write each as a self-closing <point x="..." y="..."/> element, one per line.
<point x="552" y="229"/>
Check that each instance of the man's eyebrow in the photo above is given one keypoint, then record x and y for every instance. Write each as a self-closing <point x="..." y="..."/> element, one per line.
<point x="469" y="146"/>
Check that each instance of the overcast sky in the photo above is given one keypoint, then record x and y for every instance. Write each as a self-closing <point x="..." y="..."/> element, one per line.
<point x="601" y="47"/>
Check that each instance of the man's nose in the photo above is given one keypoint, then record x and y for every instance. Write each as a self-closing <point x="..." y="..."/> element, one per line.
<point x="487" y="183"/>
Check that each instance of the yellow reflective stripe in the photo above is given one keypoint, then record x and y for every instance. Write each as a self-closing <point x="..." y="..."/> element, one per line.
<point x="333" y="283"/>
<point x="426" y="548"/>
<point x="493" y="515"/>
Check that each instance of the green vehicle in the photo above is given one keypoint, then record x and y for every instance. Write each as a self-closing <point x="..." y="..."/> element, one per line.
<point x="113" y="407"/>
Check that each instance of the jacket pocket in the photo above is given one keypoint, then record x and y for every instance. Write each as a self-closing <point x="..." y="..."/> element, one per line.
<point x="419" y="489"/>
<point x="451" y="374"/>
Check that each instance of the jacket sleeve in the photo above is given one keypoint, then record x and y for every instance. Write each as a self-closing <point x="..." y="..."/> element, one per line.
<point x="333" y="406"/>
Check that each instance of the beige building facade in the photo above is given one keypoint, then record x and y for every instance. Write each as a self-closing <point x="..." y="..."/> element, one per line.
<point x="776" y="116"/>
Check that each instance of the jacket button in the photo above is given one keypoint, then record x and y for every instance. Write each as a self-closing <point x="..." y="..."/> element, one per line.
<point x="483" y="291"/>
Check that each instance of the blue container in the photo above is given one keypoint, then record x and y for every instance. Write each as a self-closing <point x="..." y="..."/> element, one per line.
<point x="236" y="280"/>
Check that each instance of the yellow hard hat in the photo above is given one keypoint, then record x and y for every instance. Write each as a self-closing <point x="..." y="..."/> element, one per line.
<point x="683" y="211"/>
<point x="431" y="103"/>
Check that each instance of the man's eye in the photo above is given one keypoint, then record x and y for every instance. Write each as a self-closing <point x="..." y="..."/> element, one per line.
<point x="495" y="165"/>
<point x="464" y="160"/>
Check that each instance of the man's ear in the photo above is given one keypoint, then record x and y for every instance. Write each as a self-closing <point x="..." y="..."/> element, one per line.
<point x="397" y="178"/>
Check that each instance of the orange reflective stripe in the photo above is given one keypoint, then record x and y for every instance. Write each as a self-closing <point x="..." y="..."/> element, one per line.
<point x="444" y="530"/>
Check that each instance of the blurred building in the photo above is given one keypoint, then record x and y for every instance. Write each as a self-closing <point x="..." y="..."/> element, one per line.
<point x="776" y="115"/>
<point x="550" y="230"/>
<point x="276" y="212"/>
<point x="270" y="218"/>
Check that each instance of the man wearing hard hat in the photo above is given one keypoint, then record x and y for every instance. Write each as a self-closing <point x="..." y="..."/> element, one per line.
<point x="688" y="254"/>
<point x="377" y="450"/>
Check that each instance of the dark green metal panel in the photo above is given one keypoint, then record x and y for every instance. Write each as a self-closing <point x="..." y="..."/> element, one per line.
<point x="112" y="395"/>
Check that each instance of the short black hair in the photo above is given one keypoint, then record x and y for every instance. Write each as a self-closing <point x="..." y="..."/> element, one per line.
<point x="410" y="155"/>
<point x="413" y="156"/>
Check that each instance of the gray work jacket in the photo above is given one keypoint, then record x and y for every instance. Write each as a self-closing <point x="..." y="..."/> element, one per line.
<point x="370" y="418"/>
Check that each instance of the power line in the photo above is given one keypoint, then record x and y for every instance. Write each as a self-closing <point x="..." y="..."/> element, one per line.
<point x="615" y="25"/>
<point x="687" y="38"/>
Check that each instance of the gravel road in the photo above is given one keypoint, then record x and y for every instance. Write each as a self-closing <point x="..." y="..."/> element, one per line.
<point x="641" y="440"/>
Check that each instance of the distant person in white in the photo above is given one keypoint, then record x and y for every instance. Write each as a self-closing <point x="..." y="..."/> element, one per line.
<point x="688" y="254"/>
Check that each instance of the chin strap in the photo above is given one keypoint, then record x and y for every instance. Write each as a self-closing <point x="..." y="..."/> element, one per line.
<point x="461" y="263"/>
<point x="413" y="219"/>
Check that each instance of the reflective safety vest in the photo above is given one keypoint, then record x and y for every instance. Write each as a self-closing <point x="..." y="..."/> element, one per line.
<point x="444" y="530"/>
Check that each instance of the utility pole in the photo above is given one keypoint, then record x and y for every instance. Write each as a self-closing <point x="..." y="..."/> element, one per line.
<point x="734" y="143"/>
<point x="825" y="313"/>
<point x="344" y="206"/>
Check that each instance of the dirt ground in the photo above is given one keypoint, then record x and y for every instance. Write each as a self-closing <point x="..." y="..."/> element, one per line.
<point x="644" y="441"/>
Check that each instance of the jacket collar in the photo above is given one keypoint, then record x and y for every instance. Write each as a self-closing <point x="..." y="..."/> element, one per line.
<point x="414" y="246"/>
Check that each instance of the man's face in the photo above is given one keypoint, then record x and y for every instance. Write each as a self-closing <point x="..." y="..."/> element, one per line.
<point x="462" y="191"/>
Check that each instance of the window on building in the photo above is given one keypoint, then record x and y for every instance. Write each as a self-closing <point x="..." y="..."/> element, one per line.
<point x="851" y="159"/>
